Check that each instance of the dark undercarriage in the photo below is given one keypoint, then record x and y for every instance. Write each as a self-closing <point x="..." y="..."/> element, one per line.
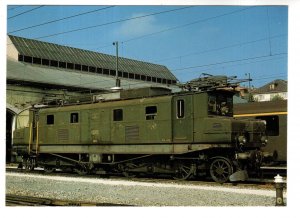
<point x="221" y="165"/>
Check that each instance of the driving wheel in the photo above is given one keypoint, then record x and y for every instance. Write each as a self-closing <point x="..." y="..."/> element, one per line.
<point x="220" y="169"/>
<point x="184" y="171"/>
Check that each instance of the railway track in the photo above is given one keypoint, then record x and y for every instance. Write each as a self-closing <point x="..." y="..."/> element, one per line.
<point x="16" y="200"/>
<point x="92" y="190"/>
<point x="261" y="183"/>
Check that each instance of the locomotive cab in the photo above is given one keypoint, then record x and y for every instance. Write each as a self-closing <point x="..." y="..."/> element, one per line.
<point x="220" y="103"/>
<point x="21" y="135"/>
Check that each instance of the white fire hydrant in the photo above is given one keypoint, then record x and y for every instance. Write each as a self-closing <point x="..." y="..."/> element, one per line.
<point x="279" y="185"/>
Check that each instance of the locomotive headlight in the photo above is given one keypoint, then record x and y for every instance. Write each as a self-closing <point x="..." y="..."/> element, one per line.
<point x="264" y="122"/>
<point x="242" y="139"/>
<point x="264" y="139"/>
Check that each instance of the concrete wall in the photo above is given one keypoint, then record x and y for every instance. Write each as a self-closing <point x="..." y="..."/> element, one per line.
<point x="11" y="50"/>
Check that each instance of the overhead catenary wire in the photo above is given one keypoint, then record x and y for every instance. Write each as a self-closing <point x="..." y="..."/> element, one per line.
<point x="222" y="48"/>
<point x="133" y="84"/>
<point x="112" y="22"/>
<point x="268" y="21"/>
<point x="269" y="77"/>
<point x="233" y="61"/>
<point x="61" y="19"/>
<point x="216" y="49"/>
<point x="194" y="22"/>
<point x="179" y="26"/>
<point x="15" y="7"/>
<point x="129" y="85"/>
<point x="25" y="12"/>
<point x="189" y="24"/>
<point x="241" y="64"/>
<point x="111" y="79"/>
<point x="206" y="51"/>
<point x="230" y="61"/>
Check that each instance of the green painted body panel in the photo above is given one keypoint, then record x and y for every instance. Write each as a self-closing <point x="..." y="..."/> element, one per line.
<point x="146" y="125"/>
<point x="183" y="127"/>
<point x="96" y="124"/>
<point x="210" y="128"/>
<point x="21" y="136"/>
<point x="215" y="129"/>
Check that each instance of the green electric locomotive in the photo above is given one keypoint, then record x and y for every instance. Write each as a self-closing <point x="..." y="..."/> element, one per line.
<point x="146" y="131"/>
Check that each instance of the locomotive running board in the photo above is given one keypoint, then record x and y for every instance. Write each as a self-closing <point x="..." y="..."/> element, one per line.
<point x="240" y="175"/>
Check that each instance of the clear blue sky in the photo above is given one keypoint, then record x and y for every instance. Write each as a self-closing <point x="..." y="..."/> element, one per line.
<point x="231" y="40"/>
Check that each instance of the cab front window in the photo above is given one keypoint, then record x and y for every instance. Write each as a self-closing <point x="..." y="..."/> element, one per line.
<point x="220" y="104"/>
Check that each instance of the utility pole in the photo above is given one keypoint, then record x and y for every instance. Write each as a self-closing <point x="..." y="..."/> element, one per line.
<point x="118" y="81"/>
<point x="249" y="88"/>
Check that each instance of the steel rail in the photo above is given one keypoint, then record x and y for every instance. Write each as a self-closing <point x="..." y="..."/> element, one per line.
<point x="18" y="200"/>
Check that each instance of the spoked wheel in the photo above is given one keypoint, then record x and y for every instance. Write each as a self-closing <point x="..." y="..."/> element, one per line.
<point x="184" y="171"/>
<point x="28" y="164"/>
<point x="220" y="169"/>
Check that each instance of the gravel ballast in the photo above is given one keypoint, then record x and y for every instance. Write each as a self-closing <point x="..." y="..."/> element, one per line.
<point x="116" y="191"/>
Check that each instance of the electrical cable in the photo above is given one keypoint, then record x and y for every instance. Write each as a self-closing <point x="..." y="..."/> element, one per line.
<point x="213" y="64"/>
<point x="110" y="78"/>
<point x="113" y="22"/>
<point x="189" y="24"/>
<point x="234" y="65"/>
<point x="15" y="7"/>
<point x="180" y="26"/>
<point x="222" y="48"/>
<point x="61" y="19"/>
<point x="25" y="12"/>
<point x="230" y="61"/>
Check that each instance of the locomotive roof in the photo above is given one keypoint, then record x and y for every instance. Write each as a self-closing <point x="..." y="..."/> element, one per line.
<point x="150" y="98"/>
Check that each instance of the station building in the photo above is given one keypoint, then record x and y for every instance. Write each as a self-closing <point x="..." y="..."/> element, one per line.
<point x="43" y="73"/>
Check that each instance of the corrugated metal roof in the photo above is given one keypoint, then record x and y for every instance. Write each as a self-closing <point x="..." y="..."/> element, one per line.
<point x="51" y="51"/>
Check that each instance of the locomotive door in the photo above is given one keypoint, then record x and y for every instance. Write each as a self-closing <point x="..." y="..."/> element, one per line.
<point x="182" y="118"/>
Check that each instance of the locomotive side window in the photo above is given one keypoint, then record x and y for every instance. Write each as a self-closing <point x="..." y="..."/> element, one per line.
<point x="212" y="104"/>
<point x="74" y="118"/>
<point x="50" y="119"/>
<point x="272" y="124"/>
<point x="151" y="112"/>
<point x="180" y="108"/>
<point x="118" y="115"/>
<point x="220" y="104"/>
